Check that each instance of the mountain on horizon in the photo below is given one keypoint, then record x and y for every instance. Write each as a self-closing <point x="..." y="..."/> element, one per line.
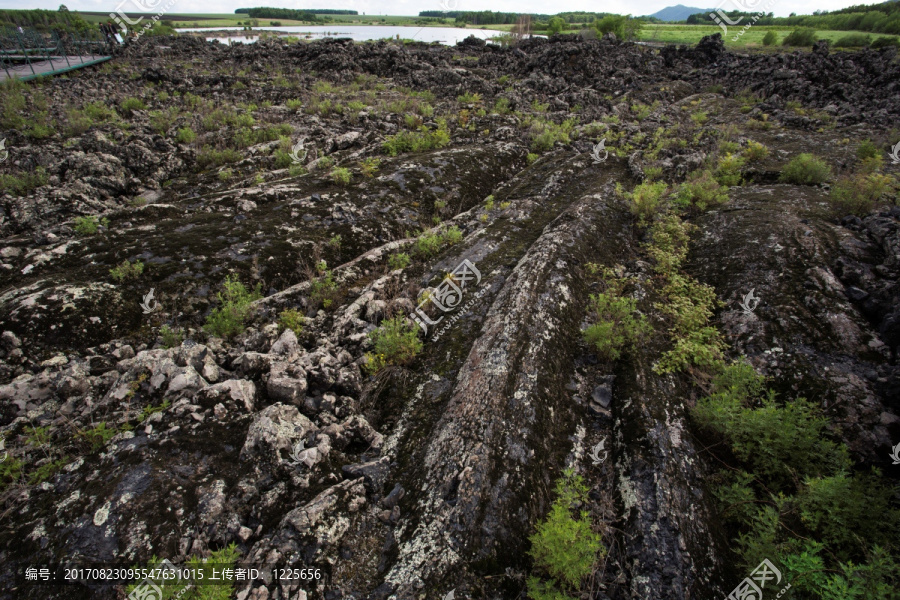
<point x="678" y="12"/>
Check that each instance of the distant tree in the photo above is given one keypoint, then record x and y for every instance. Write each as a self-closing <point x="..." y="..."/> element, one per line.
<point x="556" y="25"/>
<point x="63" y="8"/>
<point x="770" y="39"/>
<point x="625" y="28"/>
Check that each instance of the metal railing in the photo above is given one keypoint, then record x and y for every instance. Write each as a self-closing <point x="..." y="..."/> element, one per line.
<point x="28" y="53"/>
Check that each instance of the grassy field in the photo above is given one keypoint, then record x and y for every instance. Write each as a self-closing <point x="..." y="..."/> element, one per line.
<point x="691" y="34"/>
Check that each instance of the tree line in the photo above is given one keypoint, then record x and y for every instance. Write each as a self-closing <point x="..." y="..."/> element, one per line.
<point x="879" y="18"/>
<point x="44" y="20"/>
<point x="302" y="14"/>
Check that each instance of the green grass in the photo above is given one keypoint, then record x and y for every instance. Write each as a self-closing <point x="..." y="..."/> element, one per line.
<point x="691" y="34"/>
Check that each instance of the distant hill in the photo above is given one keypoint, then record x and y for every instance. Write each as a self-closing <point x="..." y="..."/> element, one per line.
<point x="678" y="12"/>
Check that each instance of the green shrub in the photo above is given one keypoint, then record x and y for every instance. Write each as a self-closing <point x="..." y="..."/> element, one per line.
<point x="234" y="308"/>
<point x="46" y="471"/>
<point x="853" y="40"/>
<point x="206" y="569"/>
<point x="24" y="183"/>
<point x="501" y="106"/>
<point x="885" y="42"/>
<point x="396" y="342"/>
<point x="163" y="120"/>
<point x="867" y="149"/>
<point x="210" y="157"/>
<point x="843" y="508"/>
<point x="10" y="471"/>
<point x="400" y="260"/>
<point x="800" y="504"/>
<point x="800" y="37"/>
<point x="858" y="194"/>
<point x="417" y="141"/>
<point x="341" y="176"/>
<point x="755" y="151"/>
<point x="770" y="39"/>
<point x="775" y="442"/>
<point x="85" y="226"/>
<point x="806" y="169"/>
<point x="728" y="169"/>
<point x="12" y="103"/>
<point x="324" y="163"/>
<point x="687" y="304"/>
<point x="564" y="546"/>
<point x="129" y="105"/>
<point x="469" y="98"/>
<point x="98" y="435"/>
<point x="452" y="235"/>
<point x="127" y="270"/>
<point x="617" y="324"/>
<point x="370" y="166"/>
<point x="97" y="111"/>
<point x="699" y="192"/>
<point x="428" y="243"/>
<point x="322" y="288"/>
<point x="532" y="157"/>
<point x="645" y="200"/>
<point x="185" y="135"/>
<point x="171" y="338"/>
<point x="291" y="319"/>
<point x="225" y="174"/>
<point x="546" y="134"/>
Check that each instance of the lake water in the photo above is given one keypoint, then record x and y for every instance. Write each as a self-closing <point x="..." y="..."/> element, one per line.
<point x="444" y="35"/>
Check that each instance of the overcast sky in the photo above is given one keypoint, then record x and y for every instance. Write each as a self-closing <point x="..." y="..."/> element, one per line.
<point x="781" y="8"/>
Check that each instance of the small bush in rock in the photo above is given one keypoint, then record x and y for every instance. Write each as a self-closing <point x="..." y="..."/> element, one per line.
<point x="234" y="308"/>
<point x="291" y="319"/>
<point x="396" y="342"/>
<point x="127" y="270"/>
<point x="564" y="546"/>
<point x="806" y="169"/>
